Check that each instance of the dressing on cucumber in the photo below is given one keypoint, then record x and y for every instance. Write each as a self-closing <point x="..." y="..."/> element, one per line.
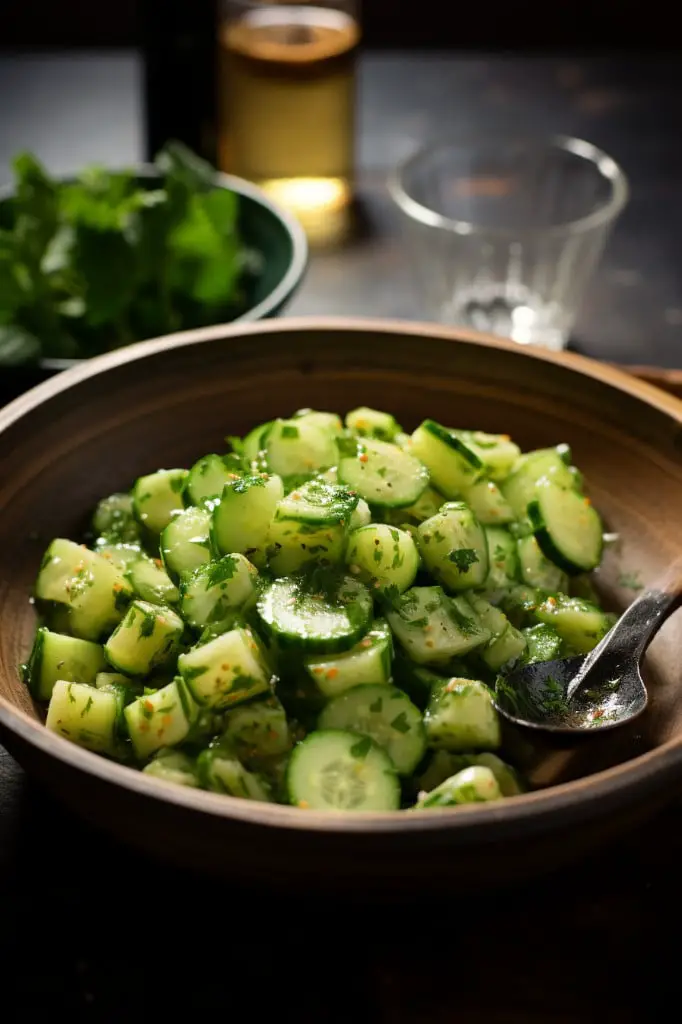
<point x="316" y="616"/>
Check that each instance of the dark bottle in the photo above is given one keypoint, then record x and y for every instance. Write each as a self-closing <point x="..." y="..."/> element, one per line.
<point x="178" y="39"/>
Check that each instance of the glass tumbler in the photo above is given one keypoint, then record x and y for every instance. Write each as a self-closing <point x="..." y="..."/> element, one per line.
<point x="504" y="234"/>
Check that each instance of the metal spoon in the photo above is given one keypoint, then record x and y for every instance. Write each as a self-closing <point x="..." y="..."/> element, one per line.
<point x="599" y="691"/>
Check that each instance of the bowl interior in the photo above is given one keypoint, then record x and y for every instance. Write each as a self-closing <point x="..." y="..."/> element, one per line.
<point x="167" y="402"/>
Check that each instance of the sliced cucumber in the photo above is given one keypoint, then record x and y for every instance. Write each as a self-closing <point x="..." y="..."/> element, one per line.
<point x="208" y="476"/>
<point x="258" y="730"/>
<point x="294" y="546"/>
<point x="369" y="661"/>
<point x="159" y="719"/>
<point x="433" y="627"/>
<point x="342" y="771"/>
<point x="383" y="556"/>
<point x="387" y="715"/>
<point x="323" y="611"/>
<point x="157" y="496"/>
<point x="454" y="548"/>
<point x="503" y="561"/>
<point x="361" y="516"/>
<point x="488" y="504"/>
<point x="151" y="583"/>
<point x="113" y="520"/>
<point x="426" y="505"/>
<point x="497" y="452"/>
<point x="85" y="715"/>
<point x="241" y="521"/>
<point x="185" y="543"/>
<point x="507" y="644"/>
<point x="519" y="488"/>
<point x="222" y="772"/>
<point x="173" y="766"/>
<point x="317" y="504"/>
<point x="147" y="638"/>
<point x="55" y="657"/>
<point x="452" y="464"/>
<point x="567" y="528"/>
<point x="536" y="568"/>
<point x="120" y="555"/>
<point x="213" y="591"/>
<point x="473" y="785"/>
<point x="542" y="644"/>
<point x="443" y="765"/>
<point x="366" y="422"/>
<point x="297" y="447"/>
<point x="384" y="474"/>
<point x="461" y="716"/>
<point x="519" y="604"/>
<point x="226" y="671"/>
<point x="328" y="421"/>
<point x="579" y="623"/>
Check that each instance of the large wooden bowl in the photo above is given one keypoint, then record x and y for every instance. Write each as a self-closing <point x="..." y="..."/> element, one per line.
<point x="94" y="428"/>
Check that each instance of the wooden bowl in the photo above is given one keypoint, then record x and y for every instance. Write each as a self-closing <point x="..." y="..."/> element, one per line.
<point x="94" y="428"/>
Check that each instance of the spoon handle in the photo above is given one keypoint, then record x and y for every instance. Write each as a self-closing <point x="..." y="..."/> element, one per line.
<point x="627" y="641"/>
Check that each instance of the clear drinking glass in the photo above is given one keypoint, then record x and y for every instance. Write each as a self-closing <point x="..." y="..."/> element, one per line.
<point x="287" y="104"/>
<point x="505" y="234"/>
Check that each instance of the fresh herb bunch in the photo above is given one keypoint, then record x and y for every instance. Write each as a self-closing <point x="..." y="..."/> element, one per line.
<point x="108" y="258"/>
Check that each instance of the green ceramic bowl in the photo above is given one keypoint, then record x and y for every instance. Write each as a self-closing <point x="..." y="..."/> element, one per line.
<point x="264" y="226"/>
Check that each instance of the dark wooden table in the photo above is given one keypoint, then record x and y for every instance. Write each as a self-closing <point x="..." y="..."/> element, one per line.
<point x="99" y="932"/>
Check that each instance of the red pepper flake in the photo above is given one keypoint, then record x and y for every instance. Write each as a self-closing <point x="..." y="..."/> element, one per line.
<point x="318" y="670"/>
<point x="551" y="601"/>
<point x="148" y="704"/>
<point x="598" y="713"/>
<point x="505" y="437"/>
<point x="295" y="495"/>
<point x="117" y="587"/>
<point x="225" y="668"/>
<point x="166" y="721"/>
<point x="451" y="685"/>
<point x="587" y="501"/>
<point x="303" y="804"/>
<point x="429" y="643"/>
<point x="366" y="642"/>
<point x="332" y="673"/>
<point x="364" y="457"/>
<point x="158" y="563"/>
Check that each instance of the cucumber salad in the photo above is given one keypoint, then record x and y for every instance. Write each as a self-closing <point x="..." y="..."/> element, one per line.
<point x="319" y="616"/>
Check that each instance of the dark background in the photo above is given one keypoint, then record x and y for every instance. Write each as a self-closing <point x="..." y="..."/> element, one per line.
<point x="519" y="24"/>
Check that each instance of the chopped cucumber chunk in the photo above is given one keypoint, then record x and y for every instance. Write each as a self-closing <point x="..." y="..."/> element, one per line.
<point x="322" y="611"/>
<point x="383" y="474"/>
<point x="461" y="716"/>
<point x="56" y="657"/>
<point x="454" y="548"/>
<point x="146" y="639"/>
<point x="433" y="627"/>
<point x="226" y="671"/>
<point x="451" y="462"/>
<point x="369" y="661"/>
<point x="383" y="556"/>
<point x="84" y="715"/>
<point x="335" y="770"/>
<point x="567" y="528"/>
<point x="241" y="521"/>
<point x="473" y="785"/>
<point x="157" y="496"/>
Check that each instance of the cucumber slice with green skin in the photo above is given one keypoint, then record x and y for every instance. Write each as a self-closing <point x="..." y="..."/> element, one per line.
<point x="383" y="474"/>
<point x="120" y="555"/>
<point x="253" y="445"/>
<point x="214" y="590"/>
<point x="336" y="770"/>
<point x="185" y="542"/>
<point x="454" y="548"/>
<point x="520" y="487"/>
<point x="54" y="657"/>
<point x="147" y="638"/>
<point x="497" y="452"/>
<point x="367" y="422"/>
<point x="567" y="528"/>
<point x="173" y="766"/>
<point x="323" y="611"/>
<point x="360" y="516"/>
<point x="579" y="623"/>
<point x="488" y="504"/>
<point x="221" y="772"/>
<point x="385" y="714"/>
<point x="151" y="583"/>
<point x="542" y="644"/>
<point x="369" y="661"/>
<point x="296" y="447"/>
<point x="241" y="521"/>
<point x="329" y="421"/>
<point x="258" y="730"/>
<point x="113" y="520"/>
<point x="157" y="720"/>
<point x="461" y="716"/>
<point x="294" y="546"/>
<point x="317" y="504"/>
<point x="503" y="562"/>
<point x="433" y="627"/>
<point x="536" y="568"/>
<point x="157" y="496"/>
<point x="226" y="671"/>
<point x="208" y="476"/>
<point x="451" y="463"/>
<point x="507" y="644"/>
<point x="84" y="715"/>
<point x="383" y="556"/>
<point x="473" y="785"/>
<point x="443" y="765"/>
<point x="519" y="604"/>
<point x="426" y="505"/>
<point x="105" y="679"/>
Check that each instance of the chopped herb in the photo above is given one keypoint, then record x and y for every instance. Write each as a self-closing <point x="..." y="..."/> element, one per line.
<point x="236" y="444"/>
<point x="221" y="571"/>
<point x="193" y="673"/>
<point x="463" y="558"/>
<point x="377" y="704"/>
<point x="289" y="432"/>
<point x="86" y="707"/>
<point x="361" y="748"/>
<point x="400" y="723"/>
<point x="72" y="699"/>
<point x="177" y="483"/>
<point x="439" y="536"/>
<point x="630" y="581"/>
<point x="348" y="446"/>
<point x="121" y="599"/>
<point x="245" y="484"/>
<point x="148" y="623"/>
<point x="377" y="555"/>
<point x="382" y="471"/>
